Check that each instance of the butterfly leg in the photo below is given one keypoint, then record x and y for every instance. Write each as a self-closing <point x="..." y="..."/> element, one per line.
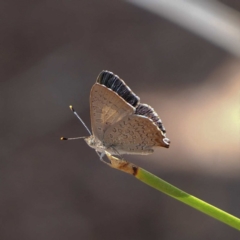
<point x="117" y="153"/>
<point x="111" y="164"/>
<point x="101" y="157"/>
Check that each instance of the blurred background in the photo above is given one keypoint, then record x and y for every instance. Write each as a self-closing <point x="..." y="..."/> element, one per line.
<point x="180" y="57"/>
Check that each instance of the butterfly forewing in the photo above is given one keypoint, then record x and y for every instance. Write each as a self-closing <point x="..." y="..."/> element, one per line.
<point x="106" y="109"/>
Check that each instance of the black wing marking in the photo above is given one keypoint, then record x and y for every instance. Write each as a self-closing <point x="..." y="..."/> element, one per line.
<point x="113" y="82"/>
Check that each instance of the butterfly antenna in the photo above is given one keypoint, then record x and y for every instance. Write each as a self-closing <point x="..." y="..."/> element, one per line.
<point x="75" y="138"/>
<point x="71" y="107"/>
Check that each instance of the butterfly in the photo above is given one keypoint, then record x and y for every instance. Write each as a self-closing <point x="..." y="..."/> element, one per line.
<point x="120" y="123"/>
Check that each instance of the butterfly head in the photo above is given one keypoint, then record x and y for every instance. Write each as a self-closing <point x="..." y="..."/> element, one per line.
<point x="90" y="141"/>
<point x="95" y="143"/>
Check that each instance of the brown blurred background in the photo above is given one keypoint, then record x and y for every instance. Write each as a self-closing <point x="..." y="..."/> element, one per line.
<point x="51" y="53"/>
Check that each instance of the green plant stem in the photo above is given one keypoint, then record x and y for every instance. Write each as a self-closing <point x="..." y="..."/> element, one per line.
<point x="161" y="185"/>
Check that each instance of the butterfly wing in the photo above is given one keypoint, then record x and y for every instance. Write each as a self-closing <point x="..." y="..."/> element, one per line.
<point x="135" y="134"/>
<point x="120" y="122"/>
<point x="106" y="108"/>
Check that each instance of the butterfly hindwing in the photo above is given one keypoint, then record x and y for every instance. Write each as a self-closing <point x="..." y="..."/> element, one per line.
<point x="134" y="134"/>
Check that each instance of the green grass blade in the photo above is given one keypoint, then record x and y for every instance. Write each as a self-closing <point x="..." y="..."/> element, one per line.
<point x="186" y="198"/>
<point x="161" y="185"/>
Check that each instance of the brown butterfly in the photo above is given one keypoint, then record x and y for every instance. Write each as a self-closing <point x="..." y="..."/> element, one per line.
<point x="120" y="123"/>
